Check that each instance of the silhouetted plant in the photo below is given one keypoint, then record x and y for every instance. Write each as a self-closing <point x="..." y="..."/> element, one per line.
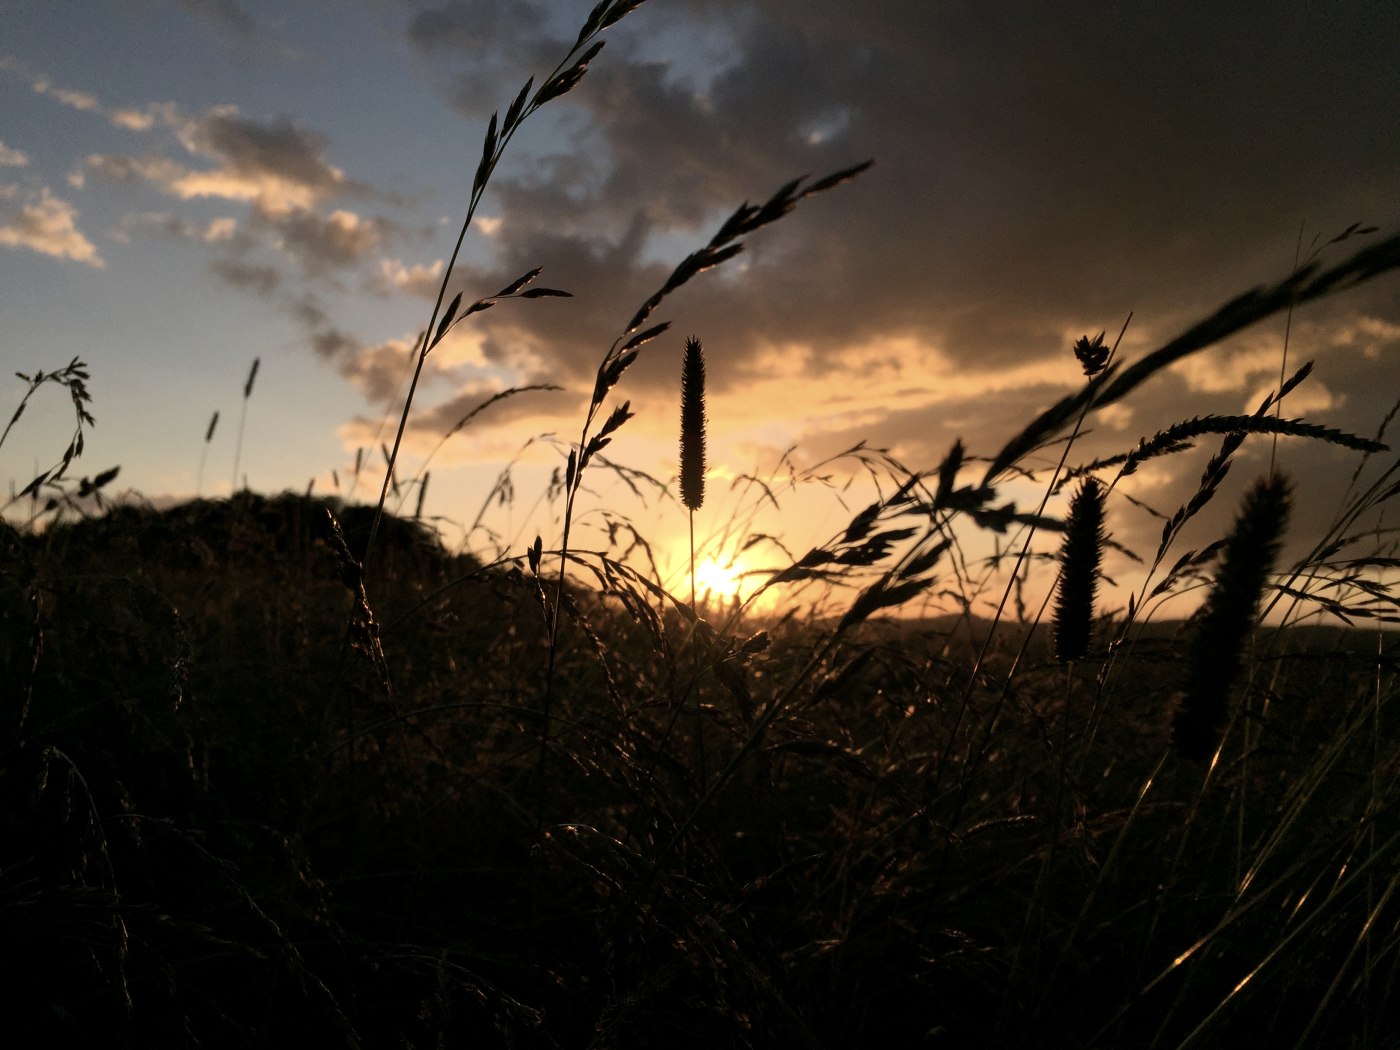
<point x="1079" y="572"/>
<point x="692" y="455"/>
<point x="1219" y="643"/>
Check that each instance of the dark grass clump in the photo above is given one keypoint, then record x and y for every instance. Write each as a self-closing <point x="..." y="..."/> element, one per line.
<point x="1217" y="649"/>
<point x="216" y="808"/>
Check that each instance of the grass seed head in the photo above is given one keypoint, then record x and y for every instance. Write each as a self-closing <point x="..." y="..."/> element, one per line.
<point x="1092" y="354"/>
<point x="1217" y="649"/>
<point x="1079" y="572"/>
<point x="693" y="425"/>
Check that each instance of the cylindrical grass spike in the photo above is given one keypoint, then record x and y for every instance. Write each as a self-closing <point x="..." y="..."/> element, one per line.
<point x="1216" y="655"/>
<point x="693" y="425"/>
<point x="1079" y="572"/>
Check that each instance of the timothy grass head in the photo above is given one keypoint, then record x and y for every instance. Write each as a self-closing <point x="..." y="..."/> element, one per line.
<point x="1079" y="572"/>
<point x="693" y="425"/>
<point x="1217" y="649"/>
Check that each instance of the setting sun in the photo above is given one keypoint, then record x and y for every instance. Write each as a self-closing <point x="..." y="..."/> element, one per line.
<point x="718" y="582"/>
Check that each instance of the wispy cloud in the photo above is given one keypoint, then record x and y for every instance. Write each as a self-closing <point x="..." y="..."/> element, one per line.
<point x="321" y="244"/>
<point x="79" y="100"/>
<point x="12" y="158"/>
<point x="155" y="169"/>
<point x="130" y="118"/>
<point x="216" y="231"/>
<point x="276" y="164"/>
<point x="261" y="279"/>
<point x="48" y="225"/>
<point x="417" y="280"/>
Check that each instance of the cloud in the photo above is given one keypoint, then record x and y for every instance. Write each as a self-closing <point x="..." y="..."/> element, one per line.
<point x="256" y="256"/>
<point x="972" y="233"/>
<point x="1041" y="172"/>
<point x="161" y="221"/>
<point x="478" y="28"/>
<point x="48" y="225"/>
<point x="133" y="119"/>
<point x="480" y="46"/>
<point x="160" y="170"/>
<point x="12" y="158"/>
<point x="276" y="164"/>
<point x="278" y="148"/>
<point x="128" y="118"/>
<point x="216" y="231"/>
<point x="221" y="229"/>
<point x="225" y="15"/>
<point x="417" y="280"/>
<point x="321" y="244"/>
<point x="260" y="279"/>
<point x="534" y="412"/>
<point x="378" y="371"/>
<point x="1371" y="334"/>
<point x="232" y="22"/>
<point x="79" y="100"/>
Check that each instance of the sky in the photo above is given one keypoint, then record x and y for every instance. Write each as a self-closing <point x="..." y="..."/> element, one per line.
<point x="189" y="185"/>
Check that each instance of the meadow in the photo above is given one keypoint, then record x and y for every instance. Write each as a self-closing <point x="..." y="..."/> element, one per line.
<point x="283" y="771"/>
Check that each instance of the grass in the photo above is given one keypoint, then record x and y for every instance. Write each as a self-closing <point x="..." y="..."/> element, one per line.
<point x="278" y="771"/>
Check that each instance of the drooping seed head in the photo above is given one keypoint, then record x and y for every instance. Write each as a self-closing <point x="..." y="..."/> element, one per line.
<point x="1091" y="353"/>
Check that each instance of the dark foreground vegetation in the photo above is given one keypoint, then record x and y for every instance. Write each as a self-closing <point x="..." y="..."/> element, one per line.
<point x="227" y="825"/>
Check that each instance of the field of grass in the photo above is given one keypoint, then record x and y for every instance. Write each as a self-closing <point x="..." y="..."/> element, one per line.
<point x="277" y="771"/>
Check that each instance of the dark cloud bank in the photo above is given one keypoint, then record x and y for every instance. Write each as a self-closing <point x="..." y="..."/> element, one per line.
<point x="1041" y="171"/>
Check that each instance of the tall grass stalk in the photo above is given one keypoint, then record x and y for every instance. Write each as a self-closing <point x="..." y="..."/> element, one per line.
<point x="499" y="132"/>
<point x="726" y="243"/>
<point x="1316" y="249"/>
<point x="1096" y="365"/>
<point x="204" y="453"/>
<point x="692" y="453"/>
<point x="692" y="485"/>
<point x="74" y="378"/>
<point x="242" y="422"/>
